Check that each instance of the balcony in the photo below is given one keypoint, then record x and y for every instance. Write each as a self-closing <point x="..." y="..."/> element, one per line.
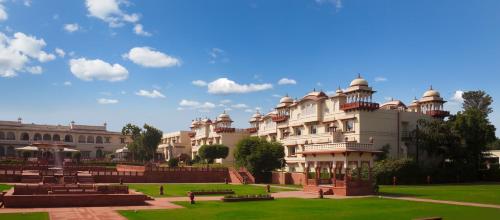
<point x="438" y="113"/>
<point x="252" y="130"/>
<point x="280" y="118"/>
<point x="224" y="130"/>
<point x="336" y="147"/>
<point x="354" y="106"/>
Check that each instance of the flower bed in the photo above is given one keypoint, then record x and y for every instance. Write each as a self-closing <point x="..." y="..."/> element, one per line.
<point x="246" y="198"/>
<point x="212" y="192"/>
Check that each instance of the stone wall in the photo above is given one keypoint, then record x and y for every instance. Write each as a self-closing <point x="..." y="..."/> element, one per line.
<point x="288" y="178"/>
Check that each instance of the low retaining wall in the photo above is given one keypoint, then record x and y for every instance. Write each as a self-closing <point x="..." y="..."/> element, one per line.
<point x="74" y="200"/>
<point x="288" y="178"/>
<point x="163" y="177"/>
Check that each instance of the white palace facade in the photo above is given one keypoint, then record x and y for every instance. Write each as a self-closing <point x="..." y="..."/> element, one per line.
<point x="344" y="130"/>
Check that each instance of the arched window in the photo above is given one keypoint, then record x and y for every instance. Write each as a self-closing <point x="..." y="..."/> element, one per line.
<point x="68" y="138"/>
<point x="2" y="135"/>
<point x="56" y="137"/>
<point x="47" y="137"/>
<point x="11" y="136"/>
<point x="37" y="137"/>
<point x="98" y="140"/>
<point x="2" y="151"/>
<point x="10" y="151"/>
<point x="25" y="136"/>
<point x="90" y="139"/>
<point x="98" y="153"/>
<point x="81" y="139"/>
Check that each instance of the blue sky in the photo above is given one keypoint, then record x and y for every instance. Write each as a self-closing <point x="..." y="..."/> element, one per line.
<point x="136" y="61"/>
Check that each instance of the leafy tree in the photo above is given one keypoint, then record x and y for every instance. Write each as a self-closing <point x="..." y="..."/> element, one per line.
<point x="77" y="156"/>
<point x="259" y="156"/>
<point x="173" y="162"/>
<point x="477" y="100"/>
<point x="212" y="152"/>
<point x="144" y="141"/>
<point x="151" y="137"/>
<point x="495" y="145"/>
<point x="385" y="152"/>
<point x="131" y="130"/>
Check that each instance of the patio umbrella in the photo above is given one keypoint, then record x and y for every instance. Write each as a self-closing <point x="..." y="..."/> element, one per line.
<point x="27" y="148"/>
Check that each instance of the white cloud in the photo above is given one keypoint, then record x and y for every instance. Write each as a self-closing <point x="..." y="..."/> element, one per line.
<point x="104" y="101"/>
<point x="3" y="12"/>
<point x="226" y="86"/>
<point x="71" y="27"/>
<point x="199" y="83"/>
<point x="239" y="106"/>
<point x="89" y="70"/>
<point x="150" y="94"/>
<point x="60" y="52"/>
<point x="217" y="55"/>
<point x="196" y="105"/>
<point x="34" y="69"/>
<point x="336" y="3"/>
<point x="380" y="79"/>
<point x="286" y="81"/>
<point x="18" y="51"/>
<point x="148" y="57"/>
<point x="225" y="101"/>
<point x="457" y="96"/>
<point x="110" y="12"/>
<point x="249" y="110"/>
<point x="67" y="83"/>
<point x="27" y="3"/>
<point x="139" y="30"/>
<point x="277" y="96"/>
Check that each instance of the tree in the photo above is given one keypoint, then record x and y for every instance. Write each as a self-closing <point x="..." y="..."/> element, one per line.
<point x="259" y="156"/>
<point x="477" y="100"/>
<point x="151" y="137"/>
<point x="495" y="145"/>
<point x="385" y="152"/>
<point x="131" y="130"/>
<point x="212" y="152"/>
<point x="77" y="157"/>
<point x="173" y="162"/>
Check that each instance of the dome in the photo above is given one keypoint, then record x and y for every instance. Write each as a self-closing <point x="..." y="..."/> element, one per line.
<point x="286" y="99"/>
<point x="223" y="115"/>
<point x="359" y="82"/>
<point x="431" y="93"/>
<point x="257" y="115"/>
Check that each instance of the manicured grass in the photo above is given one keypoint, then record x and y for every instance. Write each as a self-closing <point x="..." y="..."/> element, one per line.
<point x="4" y="187"/>
<point x="25" y="216"/>
<point x="366" y="208"/>
<point x="479" y="193"/>
<point x="172" y="190"/>
<point x="298" y="187"/>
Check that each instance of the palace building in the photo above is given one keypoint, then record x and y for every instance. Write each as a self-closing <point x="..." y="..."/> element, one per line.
<point x="92" y="141"/>
<point x="175" y="144"/>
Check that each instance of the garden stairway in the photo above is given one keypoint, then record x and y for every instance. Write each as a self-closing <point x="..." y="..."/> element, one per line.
<point x="241" y="176"/>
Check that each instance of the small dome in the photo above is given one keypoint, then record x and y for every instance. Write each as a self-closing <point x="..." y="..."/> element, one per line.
<point x="286" y="99"/>
<point x="256" y="115"/>
<point x="223" y="115"/>
<point x="359" y="82"/>
<point x="431" y="93"/>
<point x="339" y="91"/>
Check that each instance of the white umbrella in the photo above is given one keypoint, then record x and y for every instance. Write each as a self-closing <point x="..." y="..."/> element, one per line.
<point x="27" y="148"/>
<point x="70" y="150"/>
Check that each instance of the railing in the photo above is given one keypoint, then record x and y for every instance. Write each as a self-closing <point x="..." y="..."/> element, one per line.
<point x="438" y="113"/>
<point x="280" y="118"/>
<point x="369" y="106"/>
<point x="224" y="130"/>
<point x="252" y="130"/>
<point x="337" y="147"/>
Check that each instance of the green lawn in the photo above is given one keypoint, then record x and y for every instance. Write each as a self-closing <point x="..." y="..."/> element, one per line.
<point x="4" y="187"/>
<point x="172" y="190"/>
<point x="25" y="216"/>
<point x="480" y="193"/>
<point x="366" y="208"/>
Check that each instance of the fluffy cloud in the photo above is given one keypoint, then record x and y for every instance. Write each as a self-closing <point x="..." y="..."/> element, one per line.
<point x="457" y="96"/>
<point x="3" y="12"/>
<point x="239" y="106"/>
<point x="67" y="83"/>
<point x="150" y="94"/>
<point x="199" y="83"/>
<point x="60" y="52"/>
<point x="139" y="30"/>
<point x="227" y="86"/>
<point x="225" y="101"/>
<point x="217" y="55"/>
<point x="110" y="12"/>
<point x="71" y="27"/>
<point x="89" y="70"/>
<point x="104" y="101"/>
<point x="249" y="110"/>
<point x="196" y="105"/>
<point x="148" y="57"/>
<point x="286" y="81"/>
<point x="380" y="79"/>
<point x="18" y="51"/>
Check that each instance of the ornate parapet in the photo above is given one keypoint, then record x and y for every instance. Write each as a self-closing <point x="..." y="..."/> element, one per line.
<point x="354" y="106"/>
<point x="438" y="113"/>
<point x="252" y="130"/>
<point x="224" y="130"/>
<point x="280" y="118"/>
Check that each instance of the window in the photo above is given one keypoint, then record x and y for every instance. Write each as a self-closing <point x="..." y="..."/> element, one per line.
<point x="291" y="151"/>
<point x="68" y="138"/>
<point x="349" y="125"/>
<point x="38" y="137"/>
<point x="81" y="139"/>
<point x="99" y="154"/>
<point x="297" y="131"/>
<point x="11" y="136"/>
<point x="98" y="140"/>
<point x="56" y="137"/>
<point x="90" y="139"/>
<point x="2" y="135"/>
<point x="85" y="154"/>
<point x="308" y="108"/>
<point x="47" y="137"/>
<point x="122" y="140"/>
<point x="107" y="140"/>
<point x="2" y="151"/>
<point x="25" y="137"/>
<point x="313" y="129"/>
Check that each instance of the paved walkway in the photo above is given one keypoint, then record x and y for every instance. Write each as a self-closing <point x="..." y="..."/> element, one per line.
<point x="413" y="199"/>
